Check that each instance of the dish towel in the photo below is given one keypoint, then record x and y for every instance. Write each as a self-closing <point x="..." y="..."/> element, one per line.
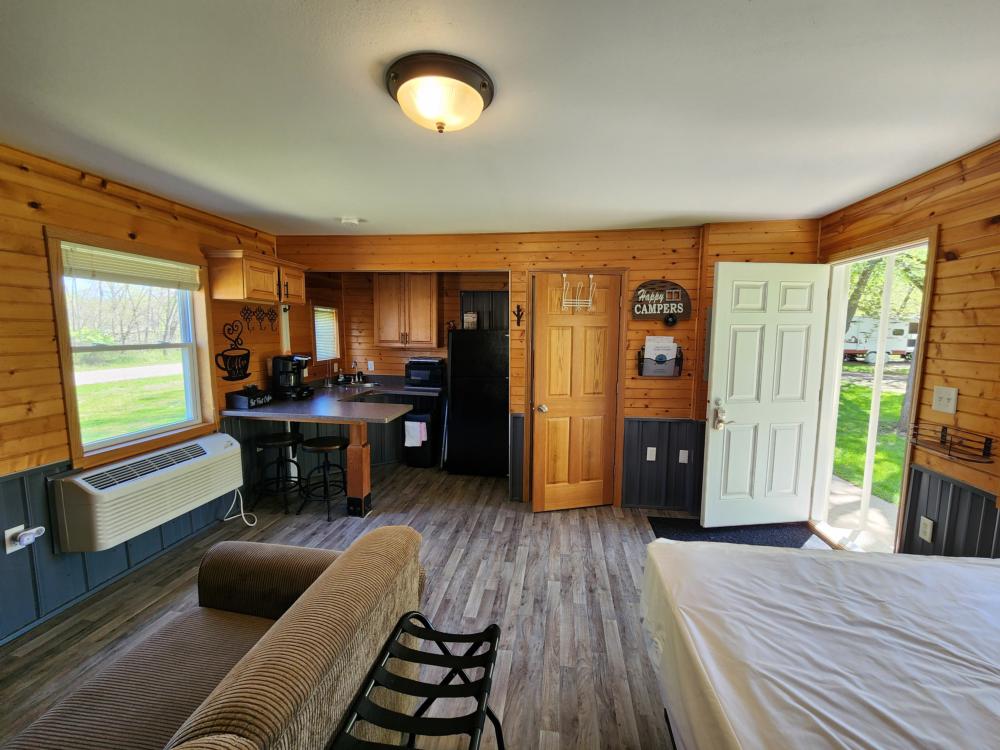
<point x="412" y="432"/>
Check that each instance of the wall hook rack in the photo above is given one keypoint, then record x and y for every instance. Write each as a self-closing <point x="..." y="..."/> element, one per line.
<point x="518" y="314"/>
<point x="579" y="302"/>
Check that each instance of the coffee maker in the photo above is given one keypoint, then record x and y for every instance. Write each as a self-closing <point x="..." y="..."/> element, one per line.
<point x="288" y="376"/>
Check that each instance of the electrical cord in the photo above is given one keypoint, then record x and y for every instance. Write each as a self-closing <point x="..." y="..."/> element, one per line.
<point x="248" y="518"/>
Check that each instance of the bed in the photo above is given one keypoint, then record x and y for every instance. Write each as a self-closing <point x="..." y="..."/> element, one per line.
<point x="762" y="647"/>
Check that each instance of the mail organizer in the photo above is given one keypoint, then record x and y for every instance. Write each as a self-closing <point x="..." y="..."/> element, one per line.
<point x="660" y="366"/>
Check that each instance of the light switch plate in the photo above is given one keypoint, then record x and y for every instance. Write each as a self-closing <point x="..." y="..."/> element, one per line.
<point x="651" y="453"/>
<point x="926" y="530"/>
<point x="945" y="399"/>
<point x="10" y="538"/>
<point x="682" y="457"/>
<point x="371" y="365"/>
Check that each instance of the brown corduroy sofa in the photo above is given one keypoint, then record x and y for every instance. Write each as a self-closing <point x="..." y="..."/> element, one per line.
<point x="271" y="658"/>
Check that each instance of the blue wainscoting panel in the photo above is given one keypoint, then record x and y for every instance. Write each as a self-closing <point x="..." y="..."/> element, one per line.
<point x="665" y="482"/>
<point x="40" y="581"/>
<point x="966" y="519"/>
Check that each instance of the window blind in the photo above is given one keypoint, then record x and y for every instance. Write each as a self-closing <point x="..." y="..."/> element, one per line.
<point x="327" y="338"/>
<point x="86" y="262"/>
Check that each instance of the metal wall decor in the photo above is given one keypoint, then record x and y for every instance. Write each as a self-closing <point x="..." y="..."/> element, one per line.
<point x="247" y="314"/>
<point x="518" y="314"/>
<point x="234" y="360"/>
<point x="272" y="317"/>
<point x="655" y="300"/>
<point x="260" y="313"/>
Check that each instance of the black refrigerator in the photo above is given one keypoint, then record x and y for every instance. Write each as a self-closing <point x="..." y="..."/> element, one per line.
<point x="478" y="413"/>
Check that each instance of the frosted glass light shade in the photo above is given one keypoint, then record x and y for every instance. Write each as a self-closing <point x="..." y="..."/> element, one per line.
<point x="440" y="103"/>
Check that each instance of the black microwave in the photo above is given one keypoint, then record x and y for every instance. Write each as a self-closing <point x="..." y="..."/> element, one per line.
<point x="425" y="372"/>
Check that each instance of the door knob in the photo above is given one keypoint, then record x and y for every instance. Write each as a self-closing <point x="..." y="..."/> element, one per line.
<point x="543" y="408"/>
<point x="719" y="421"/>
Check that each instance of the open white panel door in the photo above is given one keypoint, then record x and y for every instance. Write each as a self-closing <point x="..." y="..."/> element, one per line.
<point x="765" y="367"/>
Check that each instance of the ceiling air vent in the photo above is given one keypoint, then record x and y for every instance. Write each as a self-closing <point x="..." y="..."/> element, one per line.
<point x="143" y="466"/>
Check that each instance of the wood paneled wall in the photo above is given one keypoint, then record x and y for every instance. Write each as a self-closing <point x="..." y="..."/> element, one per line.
<point x="35" y="192"/>
<point x="352" y="294"/>
<point x="961" y="202"/>
<point x="641" y="254"/>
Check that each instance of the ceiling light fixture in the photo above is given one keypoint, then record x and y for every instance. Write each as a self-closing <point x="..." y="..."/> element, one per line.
<point x="439" y="92"/>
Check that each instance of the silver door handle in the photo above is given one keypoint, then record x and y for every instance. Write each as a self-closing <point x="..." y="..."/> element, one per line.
<point x="719" y="420"/>
<point x="543" y="408"/>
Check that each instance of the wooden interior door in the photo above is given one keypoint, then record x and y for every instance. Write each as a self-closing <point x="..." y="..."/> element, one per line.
<point x="421" y="310"/>
<point x="574" y="393"/>
<point x="389" y="292"/>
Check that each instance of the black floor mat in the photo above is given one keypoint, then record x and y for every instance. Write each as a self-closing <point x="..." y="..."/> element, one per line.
<point x="770" y="535"/>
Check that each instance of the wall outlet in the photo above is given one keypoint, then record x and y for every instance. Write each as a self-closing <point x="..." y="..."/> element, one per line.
<point x="945" y="399"/>
<point x="682" y="457"/>
<point x="926" y="530"/>
<point x="651" y="453"/>
<point x="371" y="365"/>
<point x="10" y="538"/>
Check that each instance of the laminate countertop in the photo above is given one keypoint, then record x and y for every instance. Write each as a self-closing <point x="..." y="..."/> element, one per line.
<point x="340" y="405"/>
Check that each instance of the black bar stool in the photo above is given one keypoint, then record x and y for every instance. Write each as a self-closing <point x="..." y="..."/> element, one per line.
<point x="284" y="482"/>
<point x="327" y="482"/>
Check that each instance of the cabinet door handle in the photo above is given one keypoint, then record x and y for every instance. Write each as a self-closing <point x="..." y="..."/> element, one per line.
<point x="279" y="290"/>
<point x="286" y="288"/>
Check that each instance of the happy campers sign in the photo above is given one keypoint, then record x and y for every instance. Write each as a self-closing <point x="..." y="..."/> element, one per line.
<point x="657" y="299"/>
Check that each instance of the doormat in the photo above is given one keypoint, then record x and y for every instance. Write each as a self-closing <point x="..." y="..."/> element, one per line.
<point x="770" y="535"/>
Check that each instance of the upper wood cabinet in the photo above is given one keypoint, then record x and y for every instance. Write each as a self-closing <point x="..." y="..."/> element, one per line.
<point x="293" y="284"/>
<point x="239" y="275"/>
<point x="405" y="310"/>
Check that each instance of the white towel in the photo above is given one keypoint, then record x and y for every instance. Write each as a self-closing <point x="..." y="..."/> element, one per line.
<point x="412" y="432"/>
<point x="423" y="432"/>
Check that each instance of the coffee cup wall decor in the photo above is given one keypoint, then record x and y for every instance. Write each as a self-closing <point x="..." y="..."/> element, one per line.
<point x="235" y="360"/>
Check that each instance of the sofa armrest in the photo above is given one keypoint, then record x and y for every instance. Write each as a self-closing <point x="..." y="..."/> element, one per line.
<point x="259" y="579"/>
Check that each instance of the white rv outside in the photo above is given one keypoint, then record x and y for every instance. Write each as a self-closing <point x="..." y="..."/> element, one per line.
<point x="861" y="339"/>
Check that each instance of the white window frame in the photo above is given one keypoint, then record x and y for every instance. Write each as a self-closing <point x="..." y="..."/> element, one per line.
<point x="195" y="319"/>
<point x="189" y="360"/>
<point x="336" y="324"/>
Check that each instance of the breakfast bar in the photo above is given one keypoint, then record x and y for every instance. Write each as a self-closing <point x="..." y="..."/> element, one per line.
<point x="342" y="405"/>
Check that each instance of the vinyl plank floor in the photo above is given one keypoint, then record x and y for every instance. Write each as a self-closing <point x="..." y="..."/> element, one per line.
<point x="572" y="670"/>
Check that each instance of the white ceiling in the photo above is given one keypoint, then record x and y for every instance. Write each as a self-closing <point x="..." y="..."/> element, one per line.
<point x="607" y="114"/>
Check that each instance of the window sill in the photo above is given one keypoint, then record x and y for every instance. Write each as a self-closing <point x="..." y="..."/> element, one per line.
<point x="121" y="451"/>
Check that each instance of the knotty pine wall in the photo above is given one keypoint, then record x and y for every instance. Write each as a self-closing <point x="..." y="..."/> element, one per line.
<point x="35" y="192"/>
<point x="673" y="254"/>
<point x="352" y="294"/>
<point x="961" y="202"/>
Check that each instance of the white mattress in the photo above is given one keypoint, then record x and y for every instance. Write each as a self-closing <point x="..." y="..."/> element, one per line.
<point x="760" y="647"/>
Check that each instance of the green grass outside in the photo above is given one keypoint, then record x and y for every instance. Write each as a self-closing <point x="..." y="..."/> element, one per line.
<point x="892" y="367"/>
<point x="134" y="358"/>
<point x="124" y="406"/>
<point x="852" y="439"/>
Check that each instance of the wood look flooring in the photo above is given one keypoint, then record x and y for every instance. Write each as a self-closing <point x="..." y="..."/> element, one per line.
<point x="572" y="671"/>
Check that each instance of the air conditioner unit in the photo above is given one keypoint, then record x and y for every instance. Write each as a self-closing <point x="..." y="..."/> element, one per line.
<point x="99" y="508"/>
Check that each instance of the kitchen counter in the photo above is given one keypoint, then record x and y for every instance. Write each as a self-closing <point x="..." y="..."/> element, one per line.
<point x="327" y="405"/>
<point x="342" y="405"/>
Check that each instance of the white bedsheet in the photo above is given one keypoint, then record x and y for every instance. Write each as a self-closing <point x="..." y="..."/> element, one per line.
<point x="760" y="647"/>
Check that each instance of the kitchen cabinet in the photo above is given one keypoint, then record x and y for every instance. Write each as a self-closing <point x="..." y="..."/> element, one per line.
<point x="293" y="284"/>
<point x="251" y="277"/>
<point x="405" y="310"/>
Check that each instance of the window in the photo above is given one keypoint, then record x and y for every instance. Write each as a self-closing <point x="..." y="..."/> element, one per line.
<point x="129" y="321"/>
<point x="327" y="333"/>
